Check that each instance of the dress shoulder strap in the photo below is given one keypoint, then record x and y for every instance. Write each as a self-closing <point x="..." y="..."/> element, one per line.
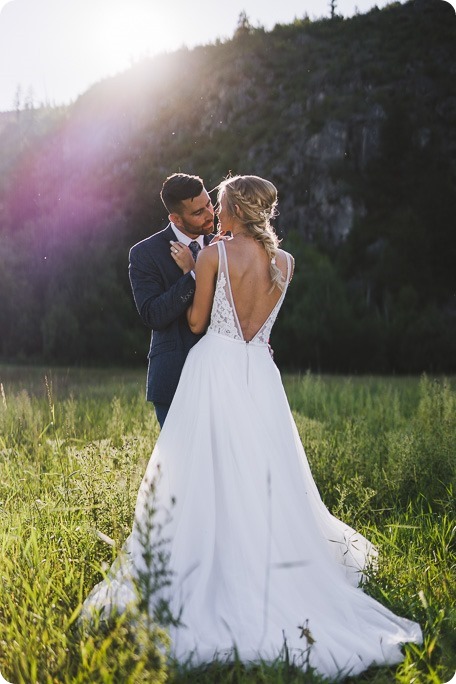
<point x="289" y="267"/>
<point x="222" y="264"/>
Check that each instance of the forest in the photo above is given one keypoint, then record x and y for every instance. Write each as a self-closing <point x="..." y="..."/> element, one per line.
<point x="352" y="119"/>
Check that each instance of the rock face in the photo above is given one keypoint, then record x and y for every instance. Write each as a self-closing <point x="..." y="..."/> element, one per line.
<point x="329" y="207"/>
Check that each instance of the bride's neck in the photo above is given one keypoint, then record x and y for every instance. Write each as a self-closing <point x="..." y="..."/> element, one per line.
<point x="240" y="232"/>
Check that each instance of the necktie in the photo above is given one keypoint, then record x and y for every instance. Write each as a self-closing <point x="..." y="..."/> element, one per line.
<point x="194" y="248"/>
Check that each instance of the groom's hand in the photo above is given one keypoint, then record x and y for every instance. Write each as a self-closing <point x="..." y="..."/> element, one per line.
<point x="182" y="256"/>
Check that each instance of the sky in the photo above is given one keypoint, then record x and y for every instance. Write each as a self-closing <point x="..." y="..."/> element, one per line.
<point x="51" y="51"/>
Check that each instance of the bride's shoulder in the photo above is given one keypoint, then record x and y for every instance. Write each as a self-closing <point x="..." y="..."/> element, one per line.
<point x="209" y="255"/>
<point x="286" y="255"/>
<point x="287" y="258"/>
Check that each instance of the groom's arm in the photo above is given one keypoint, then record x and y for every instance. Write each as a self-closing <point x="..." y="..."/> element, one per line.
<point x="156" y="306"/>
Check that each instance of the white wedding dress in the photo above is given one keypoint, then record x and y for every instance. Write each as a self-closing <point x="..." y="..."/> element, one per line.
<point x="257" y="560"/>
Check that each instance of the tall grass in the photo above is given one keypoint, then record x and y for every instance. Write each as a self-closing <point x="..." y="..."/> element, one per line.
<point x="74" y="446"/>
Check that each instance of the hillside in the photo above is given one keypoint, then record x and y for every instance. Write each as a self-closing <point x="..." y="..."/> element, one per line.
<point x="353" y="119"/>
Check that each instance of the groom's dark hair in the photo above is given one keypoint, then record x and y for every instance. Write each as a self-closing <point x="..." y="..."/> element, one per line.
<point x="179" y="187"/>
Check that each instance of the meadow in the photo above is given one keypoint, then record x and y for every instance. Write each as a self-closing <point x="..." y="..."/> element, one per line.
<point x="73" y="448"/>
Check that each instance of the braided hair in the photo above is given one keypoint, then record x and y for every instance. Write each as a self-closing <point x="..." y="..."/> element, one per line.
<point x="253" y="201"/>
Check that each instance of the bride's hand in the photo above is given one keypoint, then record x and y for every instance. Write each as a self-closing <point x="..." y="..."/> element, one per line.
<point x="182" y="256"/>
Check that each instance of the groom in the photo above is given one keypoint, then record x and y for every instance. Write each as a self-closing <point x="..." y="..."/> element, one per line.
<point x="163" y="283"/>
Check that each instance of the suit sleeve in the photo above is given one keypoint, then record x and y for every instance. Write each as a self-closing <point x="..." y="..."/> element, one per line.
<point x="156" y="306"/>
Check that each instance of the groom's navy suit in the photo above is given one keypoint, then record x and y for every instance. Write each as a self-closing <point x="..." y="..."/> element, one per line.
<point x="162" y="294"/>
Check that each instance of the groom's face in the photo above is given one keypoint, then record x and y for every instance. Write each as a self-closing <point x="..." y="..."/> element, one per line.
<point x="196" y="216"/>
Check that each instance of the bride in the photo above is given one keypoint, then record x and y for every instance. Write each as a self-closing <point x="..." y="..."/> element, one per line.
<point x="257" y="561"/>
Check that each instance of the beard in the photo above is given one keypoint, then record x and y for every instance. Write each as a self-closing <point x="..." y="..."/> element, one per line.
<point x="206" y="229"/>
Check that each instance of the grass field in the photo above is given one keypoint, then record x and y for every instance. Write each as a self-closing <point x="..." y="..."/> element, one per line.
<point x="73" y="448"/>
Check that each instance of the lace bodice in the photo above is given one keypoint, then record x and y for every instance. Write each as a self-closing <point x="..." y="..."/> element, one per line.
<point x="224" y="318"/>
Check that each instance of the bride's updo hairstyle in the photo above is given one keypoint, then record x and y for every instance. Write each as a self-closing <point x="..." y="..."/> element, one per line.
<point x="253" y="201"/>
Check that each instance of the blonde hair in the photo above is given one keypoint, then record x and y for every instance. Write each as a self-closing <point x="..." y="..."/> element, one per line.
<point x="253" y="201"/>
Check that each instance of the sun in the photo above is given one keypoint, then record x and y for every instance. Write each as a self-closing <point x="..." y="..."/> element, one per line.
<point x="126" y="30"/>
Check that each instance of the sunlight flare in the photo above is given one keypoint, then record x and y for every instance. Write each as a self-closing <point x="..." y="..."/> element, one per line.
<point x="124" y="32"/>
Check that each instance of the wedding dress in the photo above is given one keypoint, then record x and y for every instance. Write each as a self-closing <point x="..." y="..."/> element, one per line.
<point x="258" y="562"/>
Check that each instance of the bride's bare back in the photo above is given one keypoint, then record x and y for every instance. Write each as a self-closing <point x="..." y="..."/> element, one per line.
<point x="250" y="278"/>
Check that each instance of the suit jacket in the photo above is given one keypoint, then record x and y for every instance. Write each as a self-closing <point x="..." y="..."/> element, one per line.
<point x="162" y="295"/>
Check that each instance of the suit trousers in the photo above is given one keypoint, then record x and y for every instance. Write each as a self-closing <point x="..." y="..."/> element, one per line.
<point x="161" y="411"/>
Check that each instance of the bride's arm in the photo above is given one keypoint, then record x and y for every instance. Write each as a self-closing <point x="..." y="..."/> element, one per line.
<point x="199" y="311"/>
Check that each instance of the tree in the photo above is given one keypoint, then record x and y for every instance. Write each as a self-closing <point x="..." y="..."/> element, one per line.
<point x="244" y="27"/>
<point x="17" y="100"/>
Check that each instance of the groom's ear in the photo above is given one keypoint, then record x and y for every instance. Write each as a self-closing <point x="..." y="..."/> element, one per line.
<point x="176" y="219"/>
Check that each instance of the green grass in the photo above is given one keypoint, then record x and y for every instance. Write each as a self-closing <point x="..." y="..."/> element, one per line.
<point x="73" y="448"/>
